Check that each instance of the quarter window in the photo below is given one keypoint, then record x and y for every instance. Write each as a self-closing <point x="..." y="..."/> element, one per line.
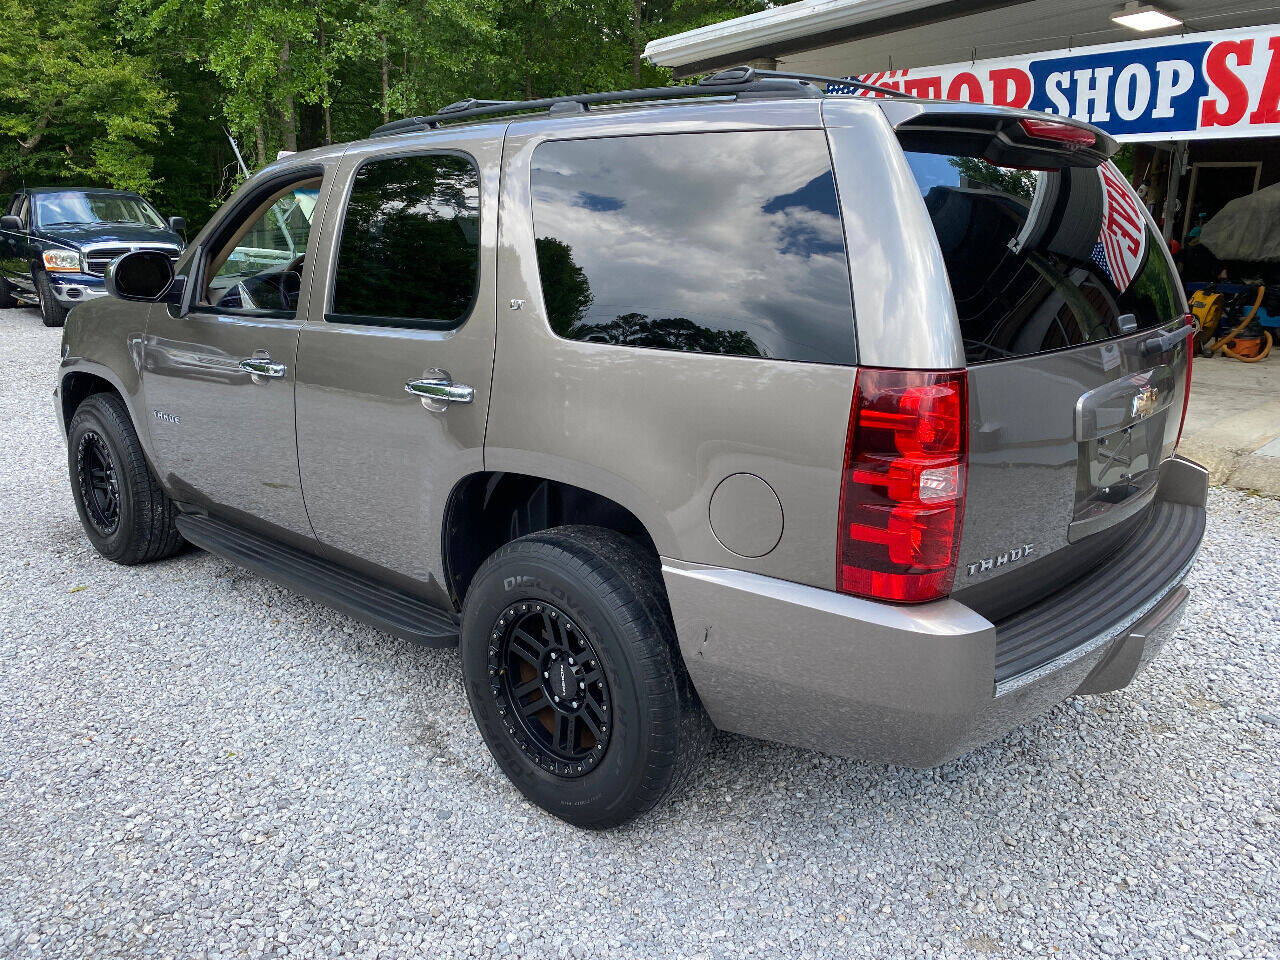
<point x="726" y="243"/>
<point x="410" y="248"/>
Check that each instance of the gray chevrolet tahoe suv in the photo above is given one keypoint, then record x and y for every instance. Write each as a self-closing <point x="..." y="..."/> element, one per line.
<point x="843" y="421"/>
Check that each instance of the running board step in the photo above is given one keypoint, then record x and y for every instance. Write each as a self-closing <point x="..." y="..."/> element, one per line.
<point x="355" y="594"/>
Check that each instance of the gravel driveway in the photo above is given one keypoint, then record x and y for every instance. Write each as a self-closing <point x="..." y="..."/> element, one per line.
<point x="197" y="763"/>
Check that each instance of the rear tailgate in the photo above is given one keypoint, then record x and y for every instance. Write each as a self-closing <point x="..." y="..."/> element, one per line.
<point x="1074" y="326"/>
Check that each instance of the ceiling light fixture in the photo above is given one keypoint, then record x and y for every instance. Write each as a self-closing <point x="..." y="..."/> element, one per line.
<point x="1144" y="17"/>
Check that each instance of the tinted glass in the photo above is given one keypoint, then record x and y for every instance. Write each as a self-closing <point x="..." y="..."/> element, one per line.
<point x="713" y="243"/>
<point x="263" y="271"/>
<point x="410" y="246"/>
<point x="53" y="209"/>
<point x="1044" y="259"/>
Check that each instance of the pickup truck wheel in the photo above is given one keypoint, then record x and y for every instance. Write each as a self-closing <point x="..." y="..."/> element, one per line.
<point x="52" y="312"/>
<point x="128" y="518"/>
<point x="571" y="667"/>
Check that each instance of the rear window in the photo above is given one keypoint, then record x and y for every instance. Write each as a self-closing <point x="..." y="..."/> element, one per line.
<point x="725" y="243"/>
<point x="1043" y="260"/>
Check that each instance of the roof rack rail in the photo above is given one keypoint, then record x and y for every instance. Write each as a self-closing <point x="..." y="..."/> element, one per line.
<point x="733" y="81"/>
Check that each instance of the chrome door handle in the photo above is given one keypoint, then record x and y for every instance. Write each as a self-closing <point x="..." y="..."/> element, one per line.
<point x="441" y="389"/>
<point x="262" y="367"/>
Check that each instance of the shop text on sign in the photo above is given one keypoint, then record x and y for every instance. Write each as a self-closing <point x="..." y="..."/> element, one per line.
<point x="1224" y="83"/>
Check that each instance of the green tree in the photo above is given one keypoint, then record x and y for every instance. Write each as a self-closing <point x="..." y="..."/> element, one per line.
<point x="74" y="101"/>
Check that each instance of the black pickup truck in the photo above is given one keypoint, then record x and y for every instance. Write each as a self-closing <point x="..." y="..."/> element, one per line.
<point x="55" y="243"/>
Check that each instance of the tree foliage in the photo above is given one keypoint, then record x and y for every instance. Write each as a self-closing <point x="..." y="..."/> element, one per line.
<point x="140" y="94"/>
<point x="74" y="104"/>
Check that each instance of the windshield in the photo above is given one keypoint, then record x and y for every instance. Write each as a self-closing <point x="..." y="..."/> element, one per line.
<point x="1045" y="259"/>
<point x="53" y="209"/>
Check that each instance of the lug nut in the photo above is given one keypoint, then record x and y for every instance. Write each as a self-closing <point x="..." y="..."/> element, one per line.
<point x="546" y="675"/>
<point x="556" y="699"/>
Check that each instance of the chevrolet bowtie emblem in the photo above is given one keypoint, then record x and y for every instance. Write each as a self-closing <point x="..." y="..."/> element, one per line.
<point x="1145" y="402"/>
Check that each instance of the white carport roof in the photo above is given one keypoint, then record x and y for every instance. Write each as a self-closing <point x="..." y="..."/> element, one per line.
<point x="781" y="30"/>
<point x="843" y="36"/>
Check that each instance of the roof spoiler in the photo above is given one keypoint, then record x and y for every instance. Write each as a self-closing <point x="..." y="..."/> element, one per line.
<point x="1004" y="136"/>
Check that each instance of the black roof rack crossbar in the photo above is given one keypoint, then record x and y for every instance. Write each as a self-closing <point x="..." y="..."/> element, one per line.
<point x="735" y="80"/>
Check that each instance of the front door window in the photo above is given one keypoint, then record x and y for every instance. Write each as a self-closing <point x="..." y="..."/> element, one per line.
<point x="260" y="267"/>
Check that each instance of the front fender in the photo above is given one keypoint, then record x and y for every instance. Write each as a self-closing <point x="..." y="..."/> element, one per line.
<point x="105" y="339"/>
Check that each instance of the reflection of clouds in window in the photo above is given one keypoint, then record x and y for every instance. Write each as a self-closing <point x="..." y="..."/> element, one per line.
<point x="733" y="232"/>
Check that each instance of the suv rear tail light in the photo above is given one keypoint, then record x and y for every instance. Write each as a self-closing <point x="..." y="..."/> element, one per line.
<point x="902" y="492"/>
<point x="1060" y="132"/>
<point x="1186" y="393"/>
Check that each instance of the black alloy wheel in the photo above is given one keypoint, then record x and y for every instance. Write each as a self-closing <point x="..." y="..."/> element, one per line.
<point x="573" y="672"/>
<point x="551" y="690"/>
<point x="123" y="510"/>
<point x="99" y="484"/>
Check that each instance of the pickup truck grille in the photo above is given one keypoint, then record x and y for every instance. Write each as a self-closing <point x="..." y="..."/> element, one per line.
<point x="96" y="260"/>
<point x="1095" y="604"/>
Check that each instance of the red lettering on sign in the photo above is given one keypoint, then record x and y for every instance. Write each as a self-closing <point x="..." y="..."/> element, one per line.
<point x="1268" y="109"/>
<point x="927" y="87"/>
<point x="1010" y="87"/>
<point x="1222" y="75"/>
<point x="965" y="86"/>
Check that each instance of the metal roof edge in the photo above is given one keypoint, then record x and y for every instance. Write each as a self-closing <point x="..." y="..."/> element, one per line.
<point x="775" y="25"/>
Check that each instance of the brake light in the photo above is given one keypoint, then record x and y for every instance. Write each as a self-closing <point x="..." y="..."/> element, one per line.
<point x="902" y="490"/>
<point x="1186" y="393"/>
<point x="1061" y="132"/>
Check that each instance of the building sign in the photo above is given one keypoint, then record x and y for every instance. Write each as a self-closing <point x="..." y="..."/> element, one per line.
<point x="1200" y="86"/>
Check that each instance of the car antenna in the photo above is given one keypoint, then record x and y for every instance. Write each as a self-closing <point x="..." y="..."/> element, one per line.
<point x="236" y="150"/>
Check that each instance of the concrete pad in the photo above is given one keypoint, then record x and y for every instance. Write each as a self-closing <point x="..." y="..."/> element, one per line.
<point x="1233" y="423"/>
<point x="1272" y="449"/>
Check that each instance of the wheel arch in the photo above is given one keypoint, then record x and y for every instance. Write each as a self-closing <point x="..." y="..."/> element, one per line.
<point x="76" y="384"/>
<point x="77" y="387"/>
<point x="488" y="509"/>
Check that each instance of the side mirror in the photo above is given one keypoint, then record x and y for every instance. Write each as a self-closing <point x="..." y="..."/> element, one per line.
<point x="178" y="225"/>
<point x="143" y="275"/>
<point x="10" y="223"/>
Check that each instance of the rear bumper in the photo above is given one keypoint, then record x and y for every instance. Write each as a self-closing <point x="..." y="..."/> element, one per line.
<point x="909" y="685"/>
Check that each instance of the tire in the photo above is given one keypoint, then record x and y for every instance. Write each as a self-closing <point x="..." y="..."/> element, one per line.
<point x="610" y="591"/>
<point x="7" y="299"/>
<point x="102" y="445"/>
<point x="52" y="312"/>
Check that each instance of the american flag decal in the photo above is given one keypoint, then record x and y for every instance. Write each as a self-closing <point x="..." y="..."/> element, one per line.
<point x="885" y="78"/>
<point x="1122" y="243"/>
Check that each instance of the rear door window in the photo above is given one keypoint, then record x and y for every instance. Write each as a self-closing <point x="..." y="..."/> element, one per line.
<point x="725" y="243"/>
<point x="410" y="249"/>
<point x="1043" y="260"/>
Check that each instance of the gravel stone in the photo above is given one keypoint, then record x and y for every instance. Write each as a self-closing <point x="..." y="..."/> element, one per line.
<point x="196" y="762"/>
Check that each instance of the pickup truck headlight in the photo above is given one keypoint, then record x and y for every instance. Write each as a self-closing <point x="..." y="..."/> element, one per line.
<point x="66" y="261"/>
